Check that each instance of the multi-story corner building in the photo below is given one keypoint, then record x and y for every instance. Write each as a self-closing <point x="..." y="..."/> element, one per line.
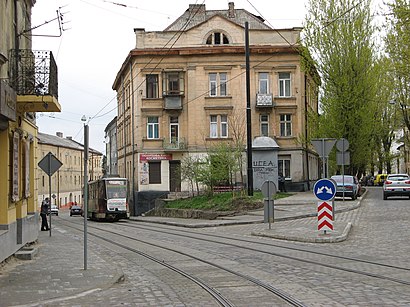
<point x="67" y="183"/>
<point x="183" y="89"/>
<point x="111" y="148"/>
<point x="28" y="84"/>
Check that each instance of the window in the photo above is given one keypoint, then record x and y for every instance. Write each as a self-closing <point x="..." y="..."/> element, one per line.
<point x="284" y="166"/>
<point x="174" y="129"/>
<point x="128" y="97"/>
<point x="173" y="84"/>
<point x="217" y="84"/>
<point x="217" y="38"/>
<point x="152" y="127"/>
<point x="223" y="126"/>
<point x="213" y="127"/>
<point x="285" y="125"/>
<point x="152" y="86"/>
<point x="154" y="172"/>
<point x="263" y="83"/>
<point x="264" y="121"/>
<point x="284" y="84"/>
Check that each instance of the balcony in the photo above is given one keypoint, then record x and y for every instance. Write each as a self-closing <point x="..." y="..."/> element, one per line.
<point x="33" y="75"/>
<point x="264" y="100"/>
<point x="174" y="144"/>
<point x="173" y="102"/>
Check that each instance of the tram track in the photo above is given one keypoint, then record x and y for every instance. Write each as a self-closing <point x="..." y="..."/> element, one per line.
<point x="158" y="229"/>
<point x="223" y="301"/>
<point x="194" y="235"/>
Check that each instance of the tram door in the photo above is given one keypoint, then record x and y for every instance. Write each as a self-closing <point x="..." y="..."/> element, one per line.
<point x="174" y="176"/>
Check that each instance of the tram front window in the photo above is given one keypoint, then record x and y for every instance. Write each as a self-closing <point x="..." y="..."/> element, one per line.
<point x="116" y="192"/>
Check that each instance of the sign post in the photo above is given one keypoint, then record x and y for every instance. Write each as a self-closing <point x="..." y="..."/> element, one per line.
<point x="324" y="147"/>
<point x="50" y="164"/>
<point x="343" y="158"/>
<point x="268" y="189"/>
<point x="325" y="191"/>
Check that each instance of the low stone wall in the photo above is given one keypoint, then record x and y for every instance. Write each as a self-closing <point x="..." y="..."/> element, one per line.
<point x="186" y="213"/>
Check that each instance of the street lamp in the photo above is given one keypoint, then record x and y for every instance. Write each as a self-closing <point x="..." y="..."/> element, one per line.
<point x="85" y="193"/>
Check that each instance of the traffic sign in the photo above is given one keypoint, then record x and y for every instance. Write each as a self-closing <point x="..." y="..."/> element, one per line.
<point x="324" y="216"/>
<point x="325" y="189"/>
<point x="268" y="188"/>
<point x="342" y="144"/>
<point x="343" y="158"/>
<point x="323" y="146"/>
<point x="50" y="164"/>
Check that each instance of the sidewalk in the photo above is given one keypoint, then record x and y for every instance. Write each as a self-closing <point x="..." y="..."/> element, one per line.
<point x="57" y="272"/>
<point x="295" y="219"/>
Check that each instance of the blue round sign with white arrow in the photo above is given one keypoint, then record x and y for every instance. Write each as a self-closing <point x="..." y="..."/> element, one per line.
<point x="325" y="189"/>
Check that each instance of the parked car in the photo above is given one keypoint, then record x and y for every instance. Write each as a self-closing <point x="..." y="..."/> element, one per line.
<point x="54" y="210"/>
<point x="76" y="210"/>
<point x="380" y="178"/>
<point x="396" y="185"/>
<point x="347" y="185"/>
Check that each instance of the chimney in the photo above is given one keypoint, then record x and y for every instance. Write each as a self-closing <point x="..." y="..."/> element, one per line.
<point x="197" y="9"/>
<point x="59" y="134"/>
<point x="231" y="10"/>
<point x="69" y="138"/>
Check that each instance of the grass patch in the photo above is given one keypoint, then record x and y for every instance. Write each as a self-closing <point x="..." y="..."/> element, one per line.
<point x="222" y="202"/>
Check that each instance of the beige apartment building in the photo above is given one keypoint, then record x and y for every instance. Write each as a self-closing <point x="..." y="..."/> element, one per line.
<point x="67" y="183"/>
<point x="183" y="89"/>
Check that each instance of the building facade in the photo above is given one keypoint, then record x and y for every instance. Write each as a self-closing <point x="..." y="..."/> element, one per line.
<point x="111" y="148"/>
<point x="67" y="182"/>
<point x="182" y="90"/>
<point x="28" y="84"/>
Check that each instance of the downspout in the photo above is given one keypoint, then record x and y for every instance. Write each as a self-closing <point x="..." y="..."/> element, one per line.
<point x="133" y="135"/>
<point x="123" y="127"/>
<point x="306" y="136"/>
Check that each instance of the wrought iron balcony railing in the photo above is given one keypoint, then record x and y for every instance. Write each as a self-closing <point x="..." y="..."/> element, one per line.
<point x="174" y="144"/>
<point x="33" y="72"/>
<point x="264" y="100"/>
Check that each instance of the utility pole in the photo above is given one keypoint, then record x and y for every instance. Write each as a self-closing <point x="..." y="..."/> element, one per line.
<point x="248" y="113"/>
<point x="85" y="208"/>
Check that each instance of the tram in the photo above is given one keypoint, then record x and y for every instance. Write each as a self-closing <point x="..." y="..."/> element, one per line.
<point x="107" y="199"/>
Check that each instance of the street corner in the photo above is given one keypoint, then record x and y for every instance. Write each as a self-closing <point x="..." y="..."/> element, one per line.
<point x="306" y="233"/>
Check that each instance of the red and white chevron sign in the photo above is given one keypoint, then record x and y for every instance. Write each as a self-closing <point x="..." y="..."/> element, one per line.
<point x="324" y="216"/>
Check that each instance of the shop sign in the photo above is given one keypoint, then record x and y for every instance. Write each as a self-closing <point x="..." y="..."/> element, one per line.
<point x="155" y="157"/>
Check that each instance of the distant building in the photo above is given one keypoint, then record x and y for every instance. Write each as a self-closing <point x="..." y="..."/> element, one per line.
<point x="68" y="182"/>
<point x="182" y="90"/>
<point x="111" y="148"/>
<point x="28" y="84"/>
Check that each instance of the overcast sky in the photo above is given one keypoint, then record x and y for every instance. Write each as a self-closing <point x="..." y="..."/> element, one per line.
<point x="99" y="35"/>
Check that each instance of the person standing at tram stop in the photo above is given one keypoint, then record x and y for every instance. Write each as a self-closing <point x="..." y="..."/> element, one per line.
<point x="43" y="213"/>
<point x="281" y="180"/>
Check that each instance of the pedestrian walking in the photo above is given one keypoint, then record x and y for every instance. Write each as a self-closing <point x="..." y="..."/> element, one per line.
<point x="43" y="213"/>
<point x="281" y="180"/>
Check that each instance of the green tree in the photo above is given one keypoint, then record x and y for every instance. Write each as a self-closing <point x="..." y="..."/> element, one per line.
<point x="190" y="171"/>
<point x="338" y="35"/>
<point x="398" y="49"/>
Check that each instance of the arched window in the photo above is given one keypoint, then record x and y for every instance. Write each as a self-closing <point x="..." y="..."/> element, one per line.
<point x="217" y="38"/>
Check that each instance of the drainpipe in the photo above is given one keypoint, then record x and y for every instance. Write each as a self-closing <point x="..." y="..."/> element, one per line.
<point x="133" y="139"/>
<point x="123" y="127"/>
<point x="306" y="137"/>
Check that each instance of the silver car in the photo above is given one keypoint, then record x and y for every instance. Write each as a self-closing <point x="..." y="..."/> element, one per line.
<point x="396" y="185"/>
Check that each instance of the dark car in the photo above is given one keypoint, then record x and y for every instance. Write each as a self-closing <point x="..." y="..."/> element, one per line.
<point x="76" y="210"/>
<point x="347" y="185"/>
